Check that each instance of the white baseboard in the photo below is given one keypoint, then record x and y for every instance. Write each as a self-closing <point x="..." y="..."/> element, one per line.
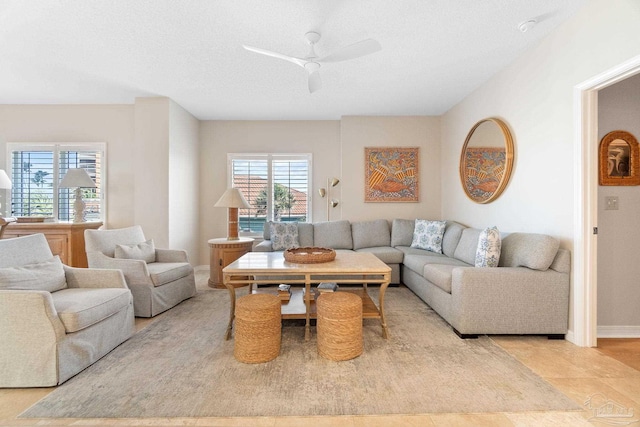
<point x="618" y="331"/>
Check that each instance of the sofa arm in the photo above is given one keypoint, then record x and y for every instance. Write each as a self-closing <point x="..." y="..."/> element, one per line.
<point x="135" y="271"/>
<point x="264" y="246"/>
<point x="94" y="278"/>
<point x="509" y="300"/>
<point x="171" y="255"/>
<point x="29" y="332"/>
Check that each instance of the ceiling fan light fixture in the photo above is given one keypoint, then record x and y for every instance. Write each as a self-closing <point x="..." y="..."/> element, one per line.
<point x="312" y="62"/>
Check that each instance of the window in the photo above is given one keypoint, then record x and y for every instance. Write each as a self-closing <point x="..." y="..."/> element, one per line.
<point x="36" y="171"/>
<point x="275" y="185"/>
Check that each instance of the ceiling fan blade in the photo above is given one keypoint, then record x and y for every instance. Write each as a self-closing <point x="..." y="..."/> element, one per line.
<point x="293" y="59"/>
<point x="315" y="83"/>
<point x="356" y="50"/>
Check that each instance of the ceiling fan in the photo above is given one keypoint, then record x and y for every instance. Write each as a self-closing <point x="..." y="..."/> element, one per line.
<point x="312" y="62"/>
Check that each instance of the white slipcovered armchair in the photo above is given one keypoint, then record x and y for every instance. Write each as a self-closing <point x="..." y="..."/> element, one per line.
<point x="56" y="320"/>
<point x="158" y="278"/>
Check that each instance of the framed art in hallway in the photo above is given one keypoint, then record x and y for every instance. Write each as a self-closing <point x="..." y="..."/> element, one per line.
<point x="391" y="174"/>
<point x="619" y="159"/>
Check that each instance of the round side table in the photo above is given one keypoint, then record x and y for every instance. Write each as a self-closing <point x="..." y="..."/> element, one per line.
<point x="223" y="252"/>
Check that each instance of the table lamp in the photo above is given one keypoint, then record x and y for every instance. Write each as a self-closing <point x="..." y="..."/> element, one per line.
<point x="232" y="199"/>
<point x="78" y="179"/>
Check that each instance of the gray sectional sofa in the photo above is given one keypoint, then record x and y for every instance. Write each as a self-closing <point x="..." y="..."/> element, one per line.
<point x="528" y="293"/>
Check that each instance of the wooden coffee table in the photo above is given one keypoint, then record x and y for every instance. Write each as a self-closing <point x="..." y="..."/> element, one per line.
<point x="270" y="268"/>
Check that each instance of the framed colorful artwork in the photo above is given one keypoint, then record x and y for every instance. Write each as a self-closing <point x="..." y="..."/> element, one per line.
<point x="391" y="174"/>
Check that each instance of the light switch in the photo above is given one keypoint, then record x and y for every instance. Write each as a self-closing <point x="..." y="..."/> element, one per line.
<point x="611" y="203"/>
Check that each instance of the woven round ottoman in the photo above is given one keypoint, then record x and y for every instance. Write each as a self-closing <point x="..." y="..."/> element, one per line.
<point x="339" y="325"/>
<point x="258" y="328"/>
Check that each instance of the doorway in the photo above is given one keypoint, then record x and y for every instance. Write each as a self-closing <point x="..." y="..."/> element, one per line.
<point x="584" y="298"/>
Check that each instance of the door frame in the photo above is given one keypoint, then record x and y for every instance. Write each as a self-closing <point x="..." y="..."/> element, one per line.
<point x="585" y="245"/>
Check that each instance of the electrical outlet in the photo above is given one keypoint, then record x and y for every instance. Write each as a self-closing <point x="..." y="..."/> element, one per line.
<point x="611" y="203"/>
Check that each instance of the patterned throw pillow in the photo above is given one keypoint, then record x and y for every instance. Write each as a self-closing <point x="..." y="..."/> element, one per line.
<point x="428" y="235"/>
<point x="145" y="251"/>
<point x="489" y="244"/>
<point x="284" y="235"/>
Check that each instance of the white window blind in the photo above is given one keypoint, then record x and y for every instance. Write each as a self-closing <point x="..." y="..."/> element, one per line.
<point x="36" y="171"/>
<point x="275" y="185"/>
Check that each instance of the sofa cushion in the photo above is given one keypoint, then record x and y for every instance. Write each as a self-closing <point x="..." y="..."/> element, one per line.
<point x="386" y="254"/>
<point x="305" y="234"/>
<point x="428" y="235"/>
<point x="333" y="234"/>
<point x="416" y="262"/>
<point x="79" y="308"/>
<point x="370" y="234"/>
<point x="144" y="251"/>
<point x="535" y="251"/>
<point x="162" y="273"/>
<point x="439" y="275"/>
<point x="402" y="232"/>
<point x="284" y="235"/>
<point x="488" y="252"/>
<point x="468" y="245"/>
<point x="451" y="238"/>
<point x="42" y="276"/>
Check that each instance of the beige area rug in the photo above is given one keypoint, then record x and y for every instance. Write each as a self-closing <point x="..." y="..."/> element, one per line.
<point x="181" y="366"/>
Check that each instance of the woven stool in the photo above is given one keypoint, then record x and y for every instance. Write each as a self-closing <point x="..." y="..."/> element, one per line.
<point x="258" y="328"/>
<point x="339" y="325"/>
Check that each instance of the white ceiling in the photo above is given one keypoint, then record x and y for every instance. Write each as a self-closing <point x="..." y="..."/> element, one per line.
<point x="434" y="53"/>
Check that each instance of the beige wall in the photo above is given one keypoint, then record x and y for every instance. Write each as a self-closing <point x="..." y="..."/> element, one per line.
<point x="111" y="124"/>
<point x="151" y="184"/>
<point x="619" y="230"/>
<point x="147" y="133"/>
<point x="338" y="151"/>
<point x="217" y="138"/>
<point x="184" y="182"/>
<point x="359" y="132"/>
<point x="534" y="95"/>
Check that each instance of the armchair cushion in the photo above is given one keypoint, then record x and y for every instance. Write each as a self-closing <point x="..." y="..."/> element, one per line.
<point x="41" y="276"/>
<point x="144" y="251"/>
<point x="162" y="273"/>
<point x="79" y="308"/>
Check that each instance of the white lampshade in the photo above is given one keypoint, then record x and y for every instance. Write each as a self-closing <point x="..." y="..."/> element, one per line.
<point x="232" y="198"/>
<point x="77" y="178"/>
<point x="5" y="182"/>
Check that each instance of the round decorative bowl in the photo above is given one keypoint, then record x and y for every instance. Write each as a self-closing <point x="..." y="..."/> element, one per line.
<point x="309" y="255"/>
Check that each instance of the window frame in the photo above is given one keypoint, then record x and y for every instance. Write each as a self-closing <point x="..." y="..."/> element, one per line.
<point x="270" y="157"/>
<point x="56" y="148"/>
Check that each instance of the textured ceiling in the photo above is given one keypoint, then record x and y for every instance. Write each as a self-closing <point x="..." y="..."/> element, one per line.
<point x="434" y="53"/>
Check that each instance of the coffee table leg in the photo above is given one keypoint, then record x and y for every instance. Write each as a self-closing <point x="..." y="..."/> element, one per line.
<point x="385" y="329"/>
<point x="232" y="310"/>
<point x="307" y="303"/>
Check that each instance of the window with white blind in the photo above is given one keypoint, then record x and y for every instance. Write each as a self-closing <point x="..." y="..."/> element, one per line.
<point x="36" y="171"/>
<point x="275" y="185"/>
